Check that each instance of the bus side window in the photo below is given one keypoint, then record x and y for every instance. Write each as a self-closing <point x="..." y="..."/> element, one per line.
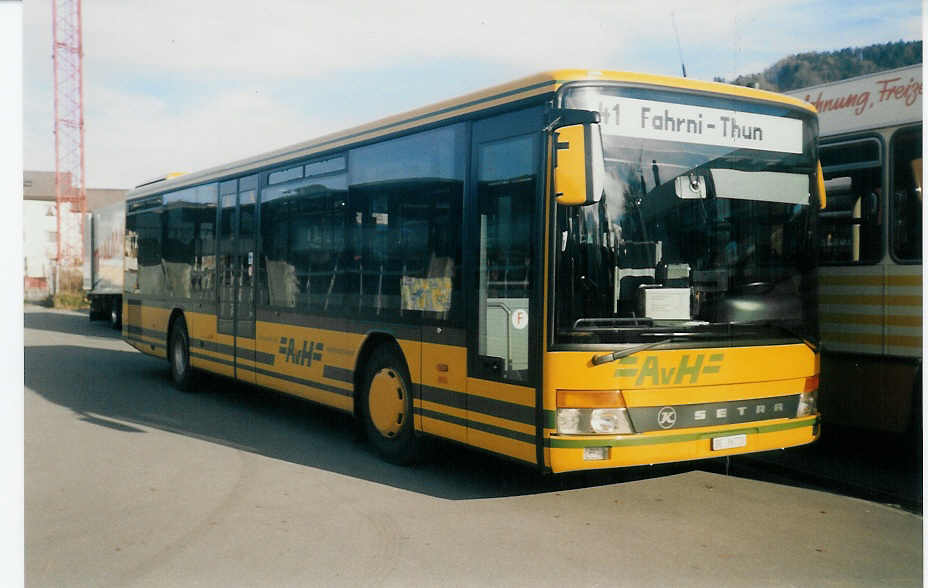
<point x="907" y="195"/>
<point x="406" y="195"/>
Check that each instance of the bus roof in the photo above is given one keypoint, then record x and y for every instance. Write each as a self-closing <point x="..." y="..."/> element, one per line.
<point x="520" y="89"/>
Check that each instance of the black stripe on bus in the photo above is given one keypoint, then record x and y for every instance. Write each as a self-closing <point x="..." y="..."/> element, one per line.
<point x="211" y="358"/>
<point x="244" y="353"/>
<point x="476" y="425"/>
<point x="487" y="406"/>
<point x="185" y="304"/>
<point x="145" y="332"/>
<point x="337" y="373"/>
<point x="257" y="356"/>
<point x="301" y="381"/>
<point x="443" y="396"/>
<point x="140" y="341"/>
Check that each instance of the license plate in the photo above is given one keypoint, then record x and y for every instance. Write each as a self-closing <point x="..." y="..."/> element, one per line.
<point x="730" y="442"/>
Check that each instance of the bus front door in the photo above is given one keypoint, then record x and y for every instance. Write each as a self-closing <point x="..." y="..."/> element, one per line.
<point x="505" y="249"/>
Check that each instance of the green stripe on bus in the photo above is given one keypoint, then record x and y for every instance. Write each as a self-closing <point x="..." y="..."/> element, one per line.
<point x="550" y="419"/>
<point x="559" y="443"/>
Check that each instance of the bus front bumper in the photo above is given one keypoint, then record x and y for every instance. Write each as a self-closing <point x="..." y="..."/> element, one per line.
<point x="567" y="453"/>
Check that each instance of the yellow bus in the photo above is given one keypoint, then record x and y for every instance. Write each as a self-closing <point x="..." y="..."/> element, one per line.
<point x="575" y="270"/>
<point x="871" y="250"/>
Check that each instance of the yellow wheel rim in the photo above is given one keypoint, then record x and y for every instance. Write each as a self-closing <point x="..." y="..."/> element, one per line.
<point x="386" y="402"/>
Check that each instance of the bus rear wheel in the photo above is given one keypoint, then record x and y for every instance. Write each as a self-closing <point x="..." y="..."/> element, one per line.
<point x="386" y="404"/>
<point x="179" y="356"/>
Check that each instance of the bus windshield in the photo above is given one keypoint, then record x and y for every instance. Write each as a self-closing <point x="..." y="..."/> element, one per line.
<point x="705" y="230"/>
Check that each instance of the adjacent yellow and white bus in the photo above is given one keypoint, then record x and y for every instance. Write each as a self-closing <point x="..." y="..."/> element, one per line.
<point x="871" y="249"/>
<point x="575" y="270"/>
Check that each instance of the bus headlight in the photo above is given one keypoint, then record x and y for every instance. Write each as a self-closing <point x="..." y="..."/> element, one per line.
<point x="808" y="400"/>
<point x="613" y="421"/>
<point x="592" y="412"/>
<point x="593" y="421"/>
<point x="807" y="403"/>
<point x="568" y="421"/>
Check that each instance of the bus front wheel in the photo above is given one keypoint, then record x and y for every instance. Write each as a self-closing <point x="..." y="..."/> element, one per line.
<point x="386" y="404"/>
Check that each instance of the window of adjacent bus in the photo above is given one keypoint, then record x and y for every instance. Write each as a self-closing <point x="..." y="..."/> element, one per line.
<point x="507" y="180"/>
<point x="906" y="184"/>
<point x="851" y="227"/>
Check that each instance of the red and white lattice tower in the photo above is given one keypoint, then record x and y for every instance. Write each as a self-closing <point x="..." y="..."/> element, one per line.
<point x="70" y="189"/>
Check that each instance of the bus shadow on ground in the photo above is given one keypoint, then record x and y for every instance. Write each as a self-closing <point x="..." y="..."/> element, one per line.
<point x="127" y="391"/>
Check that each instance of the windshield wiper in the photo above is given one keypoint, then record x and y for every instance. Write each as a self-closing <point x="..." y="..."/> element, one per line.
<point x="781" y="327"/>
<point x="601" y="359"/>
<point x="594" y="324"/>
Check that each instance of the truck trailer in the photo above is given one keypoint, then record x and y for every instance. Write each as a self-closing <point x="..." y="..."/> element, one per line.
<point x="104" y="231"/>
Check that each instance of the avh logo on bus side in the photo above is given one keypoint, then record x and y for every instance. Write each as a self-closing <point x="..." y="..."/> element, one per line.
<point x="651" y="372"/>
<point x="311" y="351"/>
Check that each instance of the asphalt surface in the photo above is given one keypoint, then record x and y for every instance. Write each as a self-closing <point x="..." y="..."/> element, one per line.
<point x="131" y="483"/>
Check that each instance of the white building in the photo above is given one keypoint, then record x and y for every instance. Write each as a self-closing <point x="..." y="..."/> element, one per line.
<point x="40" y="229"/>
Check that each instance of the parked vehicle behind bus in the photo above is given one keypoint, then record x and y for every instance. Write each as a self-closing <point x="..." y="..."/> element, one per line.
<point x="104" y="231"/>
<point x="871" y="249"/>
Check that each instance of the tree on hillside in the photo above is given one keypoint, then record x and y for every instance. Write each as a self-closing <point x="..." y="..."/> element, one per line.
<point x="809" y="69"/>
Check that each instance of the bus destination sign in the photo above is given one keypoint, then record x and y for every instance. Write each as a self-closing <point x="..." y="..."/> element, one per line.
<point x="667" y="121"/>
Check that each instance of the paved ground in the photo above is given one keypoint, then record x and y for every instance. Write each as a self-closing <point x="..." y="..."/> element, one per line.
<point x="129" y="483"/>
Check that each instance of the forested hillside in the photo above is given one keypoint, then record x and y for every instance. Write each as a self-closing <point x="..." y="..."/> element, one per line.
<point x="809" y="69"/>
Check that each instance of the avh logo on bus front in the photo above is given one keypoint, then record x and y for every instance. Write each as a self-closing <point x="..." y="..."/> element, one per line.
<point x="651" y="372"/>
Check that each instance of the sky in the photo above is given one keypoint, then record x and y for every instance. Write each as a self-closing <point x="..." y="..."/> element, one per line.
<point x="181" y="85"/>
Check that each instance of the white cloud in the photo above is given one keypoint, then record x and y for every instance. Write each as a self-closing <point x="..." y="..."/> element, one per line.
<point x="281" y="42"/>
<point x="140" y="138"/>
<point x="308" y="39"/>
